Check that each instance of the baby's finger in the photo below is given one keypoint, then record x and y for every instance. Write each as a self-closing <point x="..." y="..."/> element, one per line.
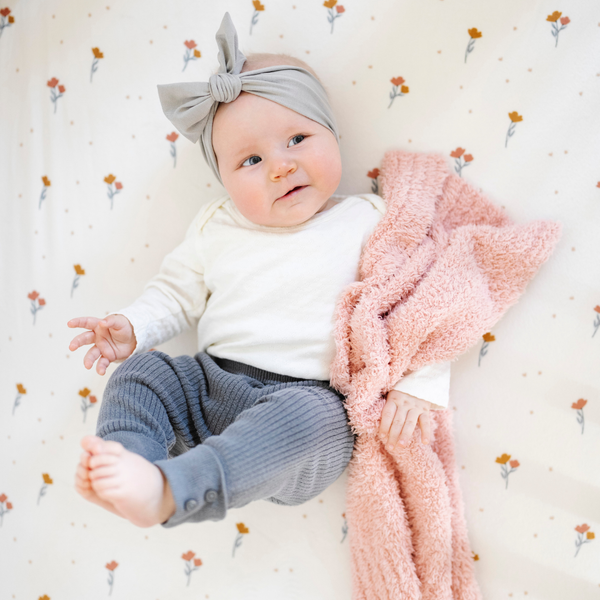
<point x="87" y="322"/>
<point x="409" y="426"/>
<point x="425" y="425"/>
<point x="111" y="322"/>
<point x="102" y="365"/>
<point x="387" y="416"/>
<point x="90" y="358"/>
<point x="396" y="427"/>
<point x="89" y="337"/>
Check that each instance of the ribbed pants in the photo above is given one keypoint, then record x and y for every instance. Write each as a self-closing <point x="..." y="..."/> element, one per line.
<point x="225" y="433"/>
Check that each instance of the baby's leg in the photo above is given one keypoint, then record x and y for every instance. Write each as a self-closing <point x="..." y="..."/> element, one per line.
<point x="134" y="429"/>
<point x="292" y="443"/>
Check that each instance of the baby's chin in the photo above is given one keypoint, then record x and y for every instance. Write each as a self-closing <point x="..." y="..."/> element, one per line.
<point x="284" y="212"/>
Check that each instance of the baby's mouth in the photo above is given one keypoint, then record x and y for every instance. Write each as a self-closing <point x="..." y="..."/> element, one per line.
<point x="292" y="192"/>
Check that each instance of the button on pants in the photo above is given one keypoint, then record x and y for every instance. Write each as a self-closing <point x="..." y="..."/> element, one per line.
<point x="225" y="433"/>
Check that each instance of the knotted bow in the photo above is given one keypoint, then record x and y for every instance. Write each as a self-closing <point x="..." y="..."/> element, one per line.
<point x="191" y="106"/>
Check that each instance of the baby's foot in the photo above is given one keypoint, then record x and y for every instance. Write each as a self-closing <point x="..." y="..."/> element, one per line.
<point x="83" y="485"/>
<point x="135" y="488"/>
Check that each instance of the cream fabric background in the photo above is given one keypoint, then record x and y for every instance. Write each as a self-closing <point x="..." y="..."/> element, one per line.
<point x="517" y="394"/>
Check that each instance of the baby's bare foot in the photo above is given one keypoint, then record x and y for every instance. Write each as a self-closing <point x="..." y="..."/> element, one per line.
<point x="83" y="485"/>
<point x="134" y="487"/>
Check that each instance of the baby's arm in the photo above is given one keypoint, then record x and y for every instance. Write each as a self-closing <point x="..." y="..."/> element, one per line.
<point x="171" y="302"/>
<point x="431" y="383"/>
<point x="405" y="407"/>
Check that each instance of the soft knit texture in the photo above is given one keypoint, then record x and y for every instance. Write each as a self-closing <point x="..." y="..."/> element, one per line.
<point x="438" y="272"/>
<point x="225" y="434"/>
<point x="265" y="296"/>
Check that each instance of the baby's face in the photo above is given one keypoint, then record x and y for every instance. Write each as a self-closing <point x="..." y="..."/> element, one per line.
<point x="264" y="149"/>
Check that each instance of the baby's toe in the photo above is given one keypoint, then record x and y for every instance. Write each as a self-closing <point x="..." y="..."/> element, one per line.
<point x="96" y="445"/>
<point x="84" y="459"/>
<point x="110" y="447"/>
<point x="92" y="444"/>
<point x="82" y="479"/>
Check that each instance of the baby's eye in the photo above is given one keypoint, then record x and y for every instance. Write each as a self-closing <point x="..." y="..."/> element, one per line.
<point x="296" y="136"/>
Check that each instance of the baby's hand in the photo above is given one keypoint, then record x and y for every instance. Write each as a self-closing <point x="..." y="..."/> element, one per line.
<point x="403" y="410"/>
<point x="113" y="339"/>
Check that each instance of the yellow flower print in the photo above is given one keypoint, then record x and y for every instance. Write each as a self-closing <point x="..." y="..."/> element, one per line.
<point x="97" y="56"/>
<point x="331" y="17"/>
<point x="47" y="184"/>
<point x="474" y="34"/>
<point x="487" y="337"/>
<point x="242" y="531"/>
<point x="78" y="273"/>
<point x="21" y="391"/>
<point x="397" y="81"/>
<point x="84" y="393"/>
<point x="47" y="481"/>
<point x="258" y="7"/>
<point x="515" y="118"/>
<point x="514" y="464"/>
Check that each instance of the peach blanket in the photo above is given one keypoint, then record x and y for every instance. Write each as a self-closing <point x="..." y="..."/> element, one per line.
<point x="439" y="270"/>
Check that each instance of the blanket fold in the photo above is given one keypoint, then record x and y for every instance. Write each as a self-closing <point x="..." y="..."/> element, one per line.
<point x="439" y="270"/>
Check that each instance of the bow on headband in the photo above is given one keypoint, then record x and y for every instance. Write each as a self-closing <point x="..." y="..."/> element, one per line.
<point x="191" y="106"/>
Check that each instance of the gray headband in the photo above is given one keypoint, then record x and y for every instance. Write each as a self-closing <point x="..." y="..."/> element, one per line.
<point x="191" y="106"/>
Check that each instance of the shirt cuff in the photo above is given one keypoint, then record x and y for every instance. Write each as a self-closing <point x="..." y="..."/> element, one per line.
<point x="430" y="383"/>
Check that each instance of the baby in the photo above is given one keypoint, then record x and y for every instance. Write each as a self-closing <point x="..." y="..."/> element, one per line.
<point x="252" y="415"/>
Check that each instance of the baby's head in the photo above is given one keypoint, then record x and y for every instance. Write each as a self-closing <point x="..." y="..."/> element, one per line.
<point x="264" y="149"/>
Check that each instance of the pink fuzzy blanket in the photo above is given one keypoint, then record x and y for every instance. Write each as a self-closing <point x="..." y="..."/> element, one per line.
<point x="439" y="270"/>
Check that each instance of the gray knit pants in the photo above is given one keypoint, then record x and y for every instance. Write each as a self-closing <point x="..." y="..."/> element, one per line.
<point x="225" y="433"/>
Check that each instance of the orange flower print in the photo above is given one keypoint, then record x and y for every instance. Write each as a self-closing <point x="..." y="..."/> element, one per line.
<point x="111" y="566"/>
<point x="474" y="34"/>
<point x="52" y="83"/>
<point x="172" y="137"/>
<point x="190" y="45"/>
<point x="78" y="273"/>
<point x="97" y="56"/>
<point x="514" y="464"/>
<point x="242" y="530"/>
<point x="578" y="406"/>
<point x="514" y="118"/>
<point x="21" y="391"/>
<point x="3" y="509"/>
<point x="457" y="154"/>
<point x="47" y="184"/>
<point x="35" y="307"/>
<point x="112" y="193"/>
<point x="374" y="174"/>
<point x="344" y="528"/>
<point x="596" y="310"/>
<point x="331" y="17"/>
<point x="555" y="30"/>
<point x="583" y="530"/>
<point x="4" y="22"/>
<point x="397" y="81"/>
<point x="487" y="337"/>
<point x="84" y="393"/>
<point x="258" y="7"/>
<point x="47" y="481"/>
<point x="188" y="556"/>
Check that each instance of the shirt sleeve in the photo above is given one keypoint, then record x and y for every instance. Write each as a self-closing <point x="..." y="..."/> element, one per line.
<point x="173" y="300"/>
<point x="431" y="383"/>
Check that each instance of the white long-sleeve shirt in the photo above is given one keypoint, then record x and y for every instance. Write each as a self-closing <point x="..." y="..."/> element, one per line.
<point x="265" y="296"/>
